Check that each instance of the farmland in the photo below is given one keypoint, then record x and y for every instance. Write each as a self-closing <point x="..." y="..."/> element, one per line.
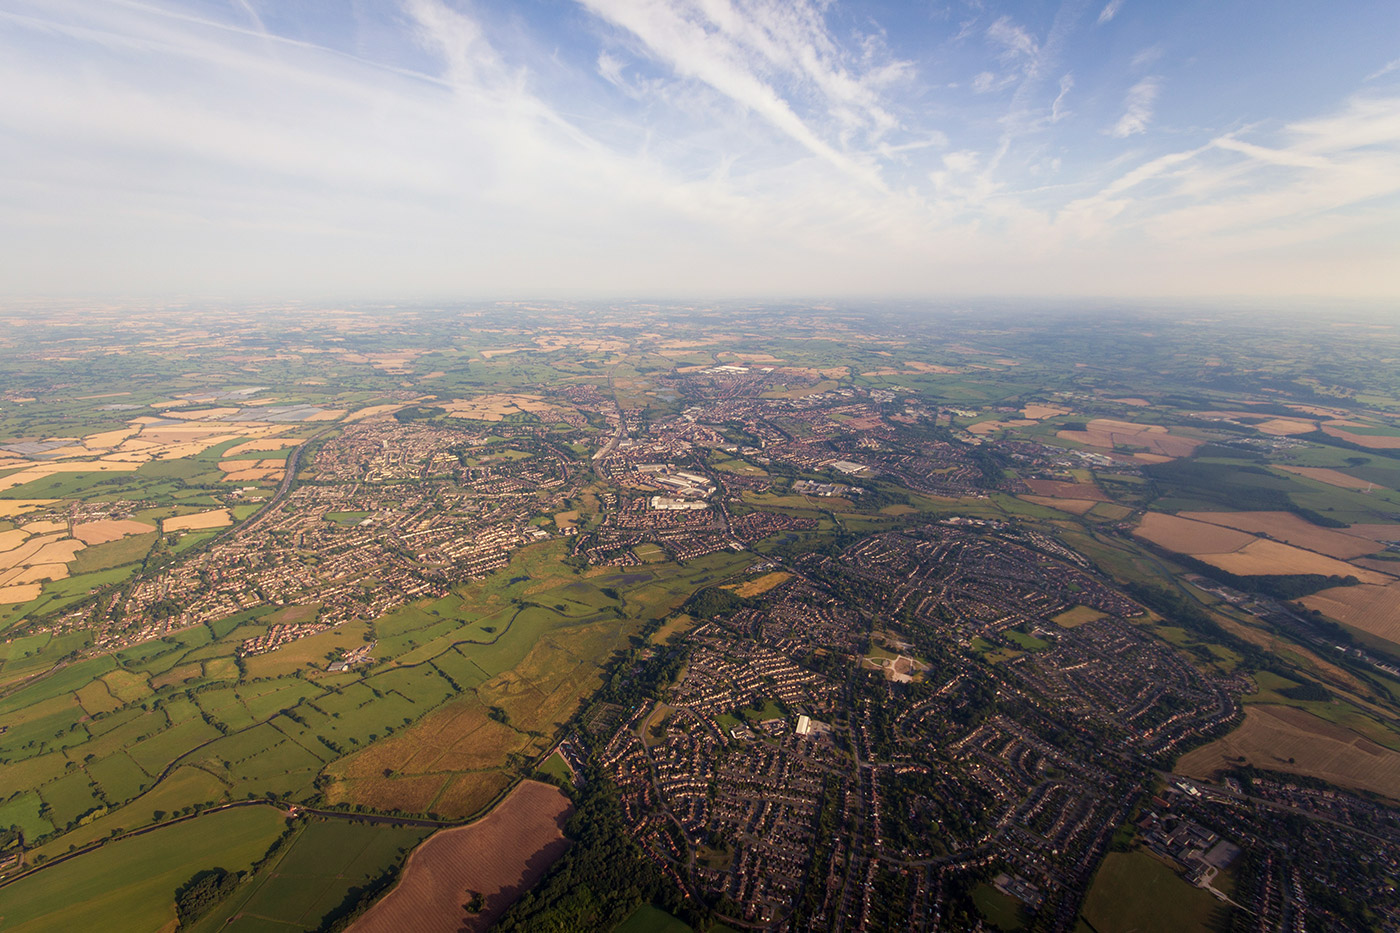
<point x="130" y="885"/>
<point x="1280" y="738"/>
<point x="495" y="857"/>
<point x="385" y="575"/>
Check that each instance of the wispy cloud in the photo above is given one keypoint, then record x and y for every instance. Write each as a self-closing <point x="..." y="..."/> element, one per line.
<point x="1384" y="70"/>
<point x="1137" y="108"/>
<point x="1056" y="109"/>
<point x="1109" y="11"/>
<point x="753" y="146"/>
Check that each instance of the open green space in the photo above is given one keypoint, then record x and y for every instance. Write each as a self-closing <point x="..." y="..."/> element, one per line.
<point x="1136" y="891"/>
<point x="129" y="885"/>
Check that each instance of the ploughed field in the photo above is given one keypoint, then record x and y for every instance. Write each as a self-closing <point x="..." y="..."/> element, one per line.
<point x="498" y="857"/>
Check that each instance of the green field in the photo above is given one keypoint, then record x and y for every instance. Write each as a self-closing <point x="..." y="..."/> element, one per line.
<point x="313" y="876"/>
<point x="1000" y="910"/>
<point x="648" y="919"/>
<point x="1135" y="891"/>
<point x="130" y="885"/>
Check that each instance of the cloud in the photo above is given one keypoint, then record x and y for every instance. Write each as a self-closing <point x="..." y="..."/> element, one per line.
<point x="1384" y="70"/>
<point x="1056" y="111"/>
<point x="988" y="83"/>
<point x="686" y="146"/>
<point x="1137" y="108"/>
<point x="1016" y="42"/>
<point x="1109" y="11"/>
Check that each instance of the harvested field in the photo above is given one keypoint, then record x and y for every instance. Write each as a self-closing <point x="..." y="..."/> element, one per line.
<point x="1107" y="434"/>
<point x="1330" y="477"/>
<point x="45" y="527"/>
<point x="1281" y="738"/>
<point x="1151" y="458"/>
<point x="1372" y="609"/>
<point x="1373" y="441"/>
<point x="9" y="508"/>
<point x="46" y="470"/>
<point x="1292" y="529"/>
<point x="20" y="593"/>
<point x="373" y="411"/>
<point x="1059" y="490"/>
<point x="40" y="549"/>
<point x="34" y="573"/>
<point x="761" y="584"/>
<point x="499" y="856"/>
<point x="101" y="532"/>
<point x="267" y="443"/>
<point x="1188" y="537"/>
<point x="1264" y="558"/>
<point x="987" y="427"/>
<point x="1282" y="427"/>
<point x="1073" y="506"/>
<point x="1376" y="532"/>
<point x="1040" y="412"/>
<point x="496" y="407"/>
<point x="214" y="518"/>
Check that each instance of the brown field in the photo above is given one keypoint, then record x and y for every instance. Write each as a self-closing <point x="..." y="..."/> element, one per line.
<point x="1282" y="427"/>
<point x="1372" y="609"/>
<point x="931" y="368"/>
<point x="1040" y="412"/>
<point x="1058" y="490"/>
<point x="214" y="518"/>
<point x="202" y="414"/>
<point x="763" y="584"/>
<point x="1373" y="441"/>
<point x="1263" y="558"/>
<point x="101" y="532"/>
<point x="49" y="469"/>
<point x="1107" y="434"/>
<point x="1073" y="506"/>
<point x="374" y="410"/>
<point x="1330" y="477"/>
<point x="1187" y="537"/>
<point x="252" y="471"/>
<point x="566" y="519"/>
<point x="495" y="407"/>
<point x="20" y="593"/>
<point x="1151" y="458"/>
<point x="9" y="508"/>
<point x="987" y="427"/>
<point x="456" y="737"/>
<point x="34" y="573"/>
<point x="1293" y="529"/>
<point x="267" y="443"/>
<point x="1281" y="738"/>
<point x="499" y="856"/>
<point x="40" y="549"/>
<point x="1376" y="532"/>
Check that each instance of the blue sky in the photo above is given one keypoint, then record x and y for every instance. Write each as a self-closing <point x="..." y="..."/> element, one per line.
<point x="441" y="149"/>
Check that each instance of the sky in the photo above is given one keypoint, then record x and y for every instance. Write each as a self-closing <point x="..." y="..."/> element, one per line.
<point x="402" y="150"/>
